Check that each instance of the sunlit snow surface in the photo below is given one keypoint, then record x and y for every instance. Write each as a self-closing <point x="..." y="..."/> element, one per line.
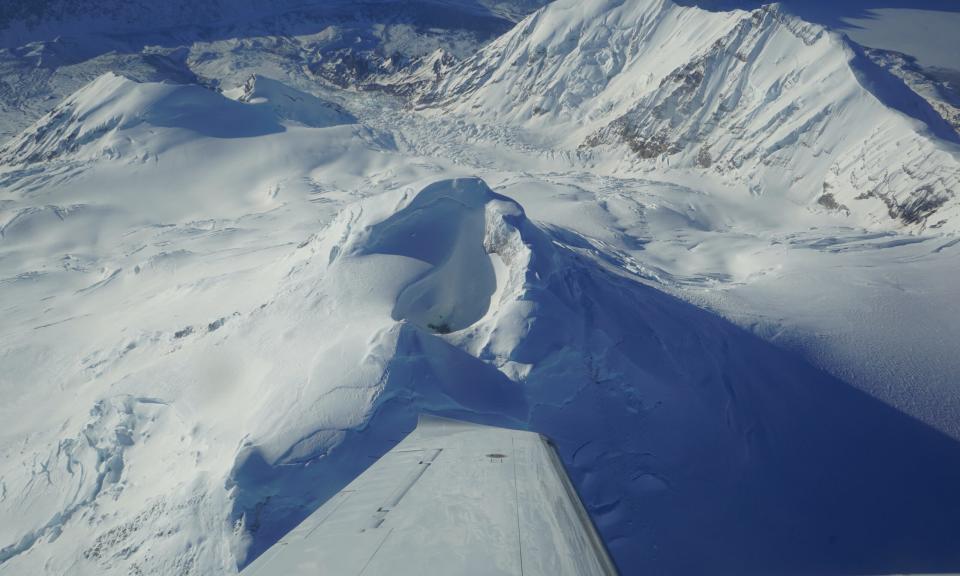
<point x="219" y="309"/>
<point x="472" y="499"/>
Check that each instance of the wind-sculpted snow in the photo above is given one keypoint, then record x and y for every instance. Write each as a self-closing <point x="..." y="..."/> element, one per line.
<point x="446" y="231"/>
<point x="682" y="432"/>
<point x="624" y="378"/>
<point x="222" y="300"/>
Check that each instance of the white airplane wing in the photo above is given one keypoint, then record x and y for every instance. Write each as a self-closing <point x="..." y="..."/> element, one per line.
<point x="453" y="498"/>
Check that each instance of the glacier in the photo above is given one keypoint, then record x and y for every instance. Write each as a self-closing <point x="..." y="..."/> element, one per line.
<point x="709" y="249"/>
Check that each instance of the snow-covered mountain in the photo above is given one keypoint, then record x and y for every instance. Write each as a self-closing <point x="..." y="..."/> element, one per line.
<point x="711" y="252"/>
<point x="50" y="49"/>
<point x="762" y="98"/>
<point x="115" y="117"/>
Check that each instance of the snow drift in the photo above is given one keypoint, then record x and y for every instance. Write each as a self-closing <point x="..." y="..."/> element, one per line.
<point x="683" y="433"/>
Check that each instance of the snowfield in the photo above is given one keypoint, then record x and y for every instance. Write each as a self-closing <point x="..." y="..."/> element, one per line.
<point x="711" y="253"/>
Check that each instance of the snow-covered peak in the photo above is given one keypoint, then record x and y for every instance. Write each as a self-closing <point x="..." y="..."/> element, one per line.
<point x="114" y="116"/>
<point x="220" y="307"/>
<point x="766" y="101"/>
<point x="791" y="109"/>
<point x="112" y="113"/>
<point x="57" y="46"/>
<point x="569" y="54"/>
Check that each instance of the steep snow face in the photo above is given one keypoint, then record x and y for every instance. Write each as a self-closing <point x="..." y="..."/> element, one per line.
<point x="745" y="107"/>
<point x="761" y="99"/>
<point x="581" y="60"/>
<point x="445" y="231"/>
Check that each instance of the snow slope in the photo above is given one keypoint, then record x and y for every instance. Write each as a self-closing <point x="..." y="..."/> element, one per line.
<point x="224" y="297"/>
<point x="130" y="242"/>
<point x="760" y="99"/>
<point x="50" y="49"/>
<point x="442" y="297"/>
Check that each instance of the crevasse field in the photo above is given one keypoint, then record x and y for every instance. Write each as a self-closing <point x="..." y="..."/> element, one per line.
<point x="710" y="248"/>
